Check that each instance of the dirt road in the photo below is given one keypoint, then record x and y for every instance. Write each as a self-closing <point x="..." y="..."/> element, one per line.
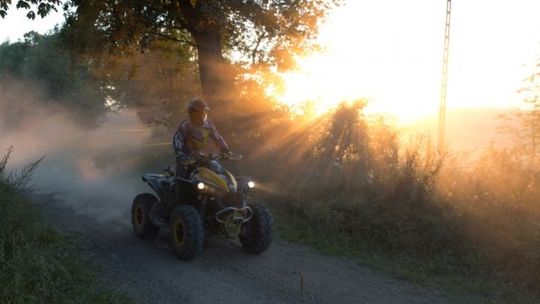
<point x="287" y="273"/>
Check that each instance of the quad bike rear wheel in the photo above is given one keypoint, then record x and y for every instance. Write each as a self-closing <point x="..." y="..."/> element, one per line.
<point x="142" y="225"/>
<point x="187" y="232"/>
<point x="256" y="235"/>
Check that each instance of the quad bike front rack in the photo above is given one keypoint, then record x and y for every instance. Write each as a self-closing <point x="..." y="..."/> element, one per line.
<point x="236" y="214"/>
<point x="232" y="219"/>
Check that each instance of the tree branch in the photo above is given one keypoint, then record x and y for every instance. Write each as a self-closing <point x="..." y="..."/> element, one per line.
<point x="256" y="48"/>
<point x="172" y="38"/>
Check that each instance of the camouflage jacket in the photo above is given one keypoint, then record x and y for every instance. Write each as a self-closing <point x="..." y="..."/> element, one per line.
<point x="190" y="139"/>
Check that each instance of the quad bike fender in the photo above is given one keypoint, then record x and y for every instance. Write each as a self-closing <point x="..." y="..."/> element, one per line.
<point x="156" y="182"/>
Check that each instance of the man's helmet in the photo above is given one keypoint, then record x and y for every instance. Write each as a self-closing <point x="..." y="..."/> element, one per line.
<point x="197" y="104"/>
<point x="197" y="110"/>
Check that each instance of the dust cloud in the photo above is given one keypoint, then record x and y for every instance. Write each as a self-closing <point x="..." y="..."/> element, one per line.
<point x="95" y="170"/>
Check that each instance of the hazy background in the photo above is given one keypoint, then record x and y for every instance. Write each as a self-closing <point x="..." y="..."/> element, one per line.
<point x="93" y="169"/>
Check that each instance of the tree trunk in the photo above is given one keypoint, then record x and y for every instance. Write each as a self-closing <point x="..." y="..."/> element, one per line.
<point x="216" y="77"/>
<point x="212" y="66"/>
<point x="206" y="31"/>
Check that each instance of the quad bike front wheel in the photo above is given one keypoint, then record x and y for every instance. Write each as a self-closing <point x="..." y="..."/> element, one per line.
<point x="142" y="225"/>
<point x="187" y="232"/>
<point x="256" y="235"/>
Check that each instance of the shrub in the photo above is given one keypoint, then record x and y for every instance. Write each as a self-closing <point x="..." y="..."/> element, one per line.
<point x="356" y="184"/>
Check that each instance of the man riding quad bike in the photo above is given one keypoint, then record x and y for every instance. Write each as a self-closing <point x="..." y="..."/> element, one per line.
<point x="200" y="198"/>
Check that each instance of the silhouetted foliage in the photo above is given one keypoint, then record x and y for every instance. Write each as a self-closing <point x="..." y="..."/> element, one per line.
<point x="39" y="7"/>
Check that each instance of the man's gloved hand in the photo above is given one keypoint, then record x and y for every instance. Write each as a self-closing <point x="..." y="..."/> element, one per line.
<point x="185" y="160"/>
<point x="232" y="156"/>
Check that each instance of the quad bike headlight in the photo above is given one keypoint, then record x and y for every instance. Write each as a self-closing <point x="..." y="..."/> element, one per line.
<point x="251" y="184"/>
<point x="201" y="186"/>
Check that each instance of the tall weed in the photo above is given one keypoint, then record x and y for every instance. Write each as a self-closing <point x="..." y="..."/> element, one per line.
<point x="37" y="264"/>
<point x="354" y="182"/>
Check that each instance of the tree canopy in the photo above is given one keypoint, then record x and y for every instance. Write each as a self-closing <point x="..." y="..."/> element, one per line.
<point x="257" y="30"/>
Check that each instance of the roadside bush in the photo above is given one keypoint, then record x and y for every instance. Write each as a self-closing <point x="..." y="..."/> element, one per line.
<point x="357" y="186"/>
<point x="357" y="183"/>
<point x="497" y="196"/>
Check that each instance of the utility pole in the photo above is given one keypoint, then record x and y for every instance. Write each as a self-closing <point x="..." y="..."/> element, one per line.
<point x="444" y="82"/>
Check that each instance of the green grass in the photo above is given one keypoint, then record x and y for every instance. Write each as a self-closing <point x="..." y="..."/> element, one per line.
<point x="462" y="282"/>
<point x="38" y="264"/>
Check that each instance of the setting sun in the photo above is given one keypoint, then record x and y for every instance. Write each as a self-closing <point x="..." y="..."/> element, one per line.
<point x="390" y="53"/>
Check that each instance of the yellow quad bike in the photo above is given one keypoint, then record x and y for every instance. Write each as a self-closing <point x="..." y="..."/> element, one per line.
<point x="208" y="201"/>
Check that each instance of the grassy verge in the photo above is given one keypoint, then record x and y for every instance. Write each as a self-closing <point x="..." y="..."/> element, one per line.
<point x="462" y="282"/>
<point x="37" y="263"/>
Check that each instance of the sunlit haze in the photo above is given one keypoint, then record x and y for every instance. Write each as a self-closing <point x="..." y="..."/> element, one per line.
<point x="390" y="52"/>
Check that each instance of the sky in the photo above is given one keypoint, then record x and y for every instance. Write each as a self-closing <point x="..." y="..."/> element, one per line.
<point x="15" y="25"/>
<point x="390" y="52"/>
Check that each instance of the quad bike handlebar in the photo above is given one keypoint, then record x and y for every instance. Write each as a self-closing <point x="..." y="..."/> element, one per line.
<point x="201" y="156"/>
